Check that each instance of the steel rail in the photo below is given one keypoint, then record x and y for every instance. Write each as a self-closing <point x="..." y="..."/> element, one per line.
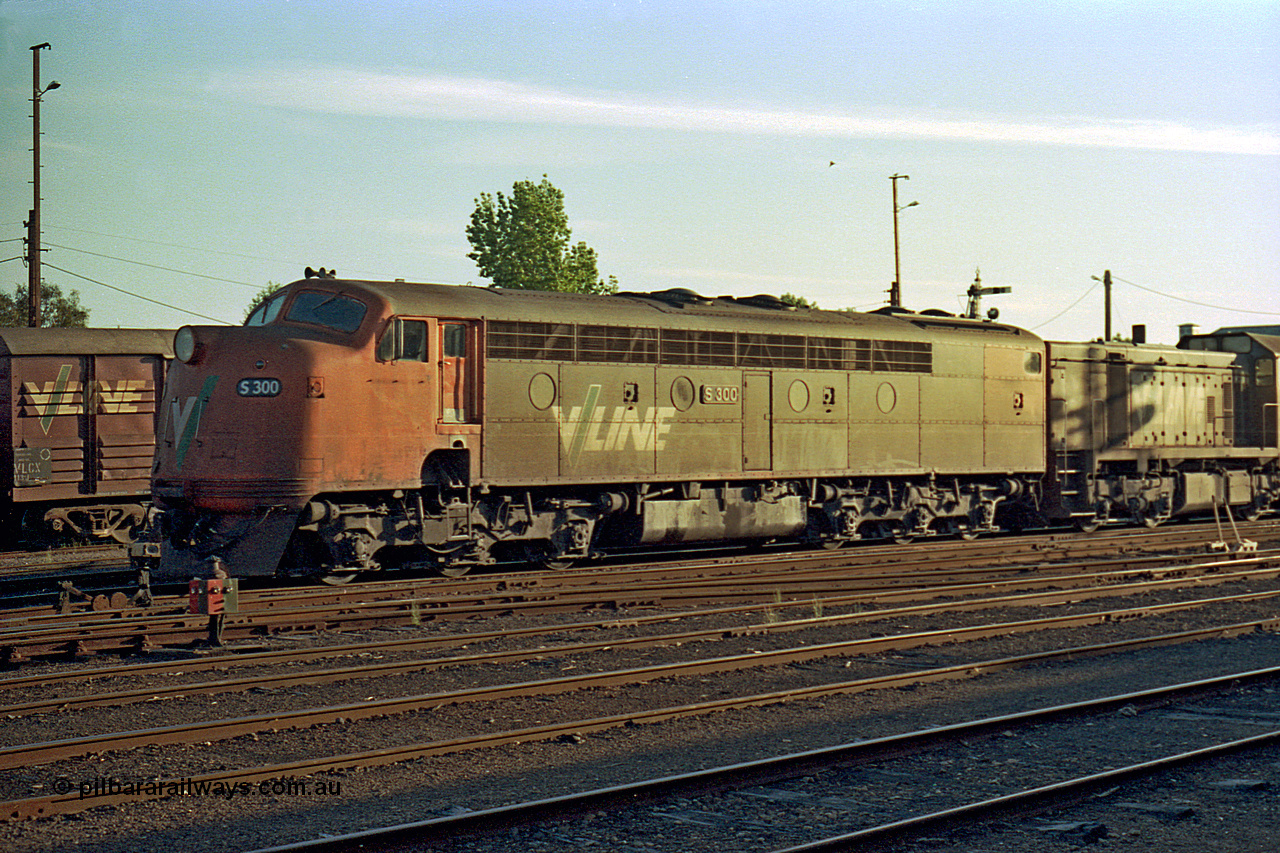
<point x="700" y="781"/>
<point x="962" y="553"/>
<point x="139" y="633"/>
<point x="896" y="642"/>
<point x="789" y="568"/>
<point x="435" y="600"/>
<point x="232" y="659"/>
<point x="26" y="755"/>
<point x="1023" y="802"/>
<point x="746" y="774"/>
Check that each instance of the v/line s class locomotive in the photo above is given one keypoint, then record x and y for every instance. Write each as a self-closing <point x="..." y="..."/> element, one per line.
<point x="358" y="425"/>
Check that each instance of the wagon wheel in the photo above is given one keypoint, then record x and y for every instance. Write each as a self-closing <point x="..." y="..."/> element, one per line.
<point x="901" y="534"/>
<point x="125" y="533"/>
<point x="831" y="544"/>
<point x="965" y="530"/>
<point x="338" y="578"/>
<point x="1151" y="519"/>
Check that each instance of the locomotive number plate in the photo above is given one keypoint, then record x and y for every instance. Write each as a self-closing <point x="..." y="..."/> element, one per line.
<point x="258" y="387"/>
<point x="720" y="393"/>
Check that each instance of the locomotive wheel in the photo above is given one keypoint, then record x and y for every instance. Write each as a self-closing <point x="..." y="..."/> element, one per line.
<point x="453" y="570"/>
<point x="901" y="535"/>
<point x="1088" y="524"/>
<point x="1249" y="512"/>
<point x="541" y="555"/>
<point x="1151" y="520"/>
<point x="965" y="531"/>
<point x="338" y="578"/>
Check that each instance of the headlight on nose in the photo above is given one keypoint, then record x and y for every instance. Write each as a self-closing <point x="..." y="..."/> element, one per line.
<point x="186" y="348"/>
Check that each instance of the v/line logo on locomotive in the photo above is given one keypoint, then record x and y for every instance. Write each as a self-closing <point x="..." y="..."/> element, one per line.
<point x="63" y="396"/>
<point x="585" y="429"/>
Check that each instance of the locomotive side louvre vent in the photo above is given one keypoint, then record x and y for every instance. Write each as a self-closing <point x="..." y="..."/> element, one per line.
<point x="527" y="340"/>
<point x="523" y="340"/>
<point x="618" y="344"/>
<point x="778" y="351"/>
<point x="698" y="347"/>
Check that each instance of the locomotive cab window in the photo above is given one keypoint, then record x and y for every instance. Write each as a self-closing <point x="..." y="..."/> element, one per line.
<point x="454" y="340"/>
<point x="404" y="340"/>
<point x="1032" y="363"/>
<point x="267" y="311"/>
<point x="331" y="310"/>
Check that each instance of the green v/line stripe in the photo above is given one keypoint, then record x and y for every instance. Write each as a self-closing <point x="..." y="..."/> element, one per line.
<point x="584" y="423"/>
<point x="55" y="399"/>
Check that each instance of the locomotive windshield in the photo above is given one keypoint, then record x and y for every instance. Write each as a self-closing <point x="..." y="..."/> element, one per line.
<point x="267" y="311"/>
<point x="331" y="310"/>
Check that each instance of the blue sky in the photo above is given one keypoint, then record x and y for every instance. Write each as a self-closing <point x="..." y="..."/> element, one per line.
<point x="196" y="151"/>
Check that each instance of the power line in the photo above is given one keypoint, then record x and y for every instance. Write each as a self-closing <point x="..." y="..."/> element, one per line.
<point x="1065" y="310"/>
<point x="138" y="296"/>
<point x="198" y="249"/>
<point x="174" y="245"/>
<point x="156" y="266"/>
<point x="1193" y="302"/>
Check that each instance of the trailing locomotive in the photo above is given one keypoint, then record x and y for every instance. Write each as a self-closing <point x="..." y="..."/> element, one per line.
<point x="79" y="424"/>
<point x="354" y="425"/>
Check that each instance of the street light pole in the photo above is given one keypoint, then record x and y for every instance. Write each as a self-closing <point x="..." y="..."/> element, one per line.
<point x="895" y="290"/>
<point x="33" y="224"/>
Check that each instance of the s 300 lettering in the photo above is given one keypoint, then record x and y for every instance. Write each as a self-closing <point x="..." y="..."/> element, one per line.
<point x="258" y="387"/>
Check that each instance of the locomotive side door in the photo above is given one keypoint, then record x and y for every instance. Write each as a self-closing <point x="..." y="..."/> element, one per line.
<point x="757" y="422"/>
<point x="457" y="361"/>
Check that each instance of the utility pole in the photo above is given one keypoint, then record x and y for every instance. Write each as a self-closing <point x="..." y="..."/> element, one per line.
<point x="895" y="290"/>
<point x="33" y="224"/>
<point x="1106" y="289"/>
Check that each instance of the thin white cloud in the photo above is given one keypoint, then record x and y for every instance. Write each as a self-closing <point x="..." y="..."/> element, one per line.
<point x="346" y="91"/>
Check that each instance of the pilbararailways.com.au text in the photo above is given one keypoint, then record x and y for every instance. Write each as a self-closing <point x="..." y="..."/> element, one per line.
<point x="227" y="789"/>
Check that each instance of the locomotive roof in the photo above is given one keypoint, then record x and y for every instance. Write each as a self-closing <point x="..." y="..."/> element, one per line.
<point x="80" y="341"/>
<point x="675" y="308"/>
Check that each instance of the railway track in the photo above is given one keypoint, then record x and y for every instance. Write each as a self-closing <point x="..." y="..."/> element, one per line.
<point x="488" y="672"/>
<point x="788" y="781"/>
<point x="33" y="754"/>
<point x="103" y="570"/>
<point x="25" y="635"/>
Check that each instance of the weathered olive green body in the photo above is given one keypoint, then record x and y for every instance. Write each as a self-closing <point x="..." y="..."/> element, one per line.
<point x="354" y="425"/>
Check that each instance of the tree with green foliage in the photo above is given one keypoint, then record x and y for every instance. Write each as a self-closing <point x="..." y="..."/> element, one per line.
<point x="522" y="241"/>
<point x="797" y="301"/>
<point x="56" y="310"/>
<point x="261" y="297"/>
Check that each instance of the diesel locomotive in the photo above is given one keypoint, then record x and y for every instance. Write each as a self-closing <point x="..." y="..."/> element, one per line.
<point x="78" y="417"/>
<point x="351" y="425"/>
